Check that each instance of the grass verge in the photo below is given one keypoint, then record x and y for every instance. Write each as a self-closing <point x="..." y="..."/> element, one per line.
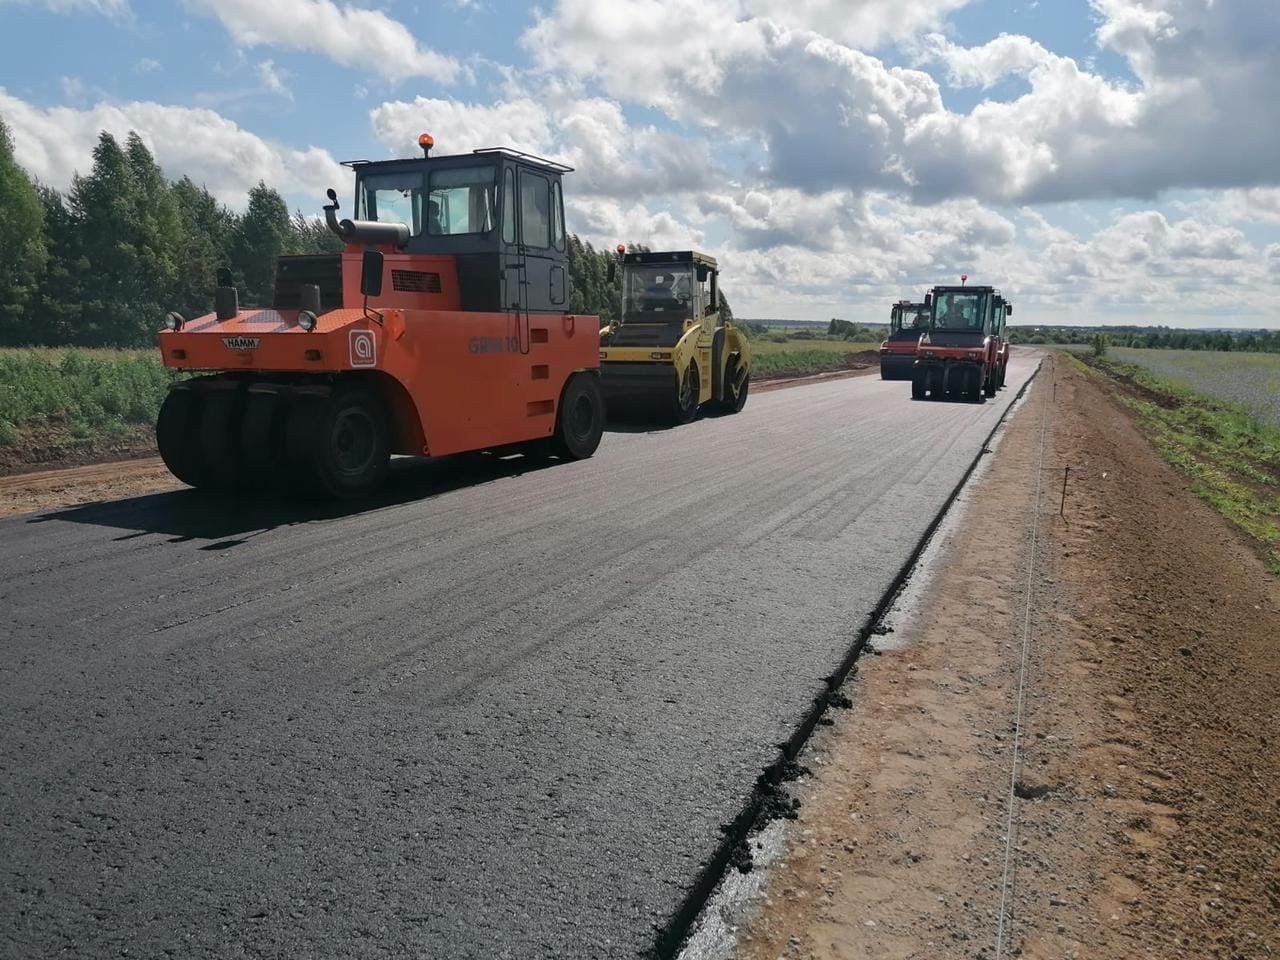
<point x="1231" y="459"/>
<point x="55" y="403"/>
<point x="802" y="358"/>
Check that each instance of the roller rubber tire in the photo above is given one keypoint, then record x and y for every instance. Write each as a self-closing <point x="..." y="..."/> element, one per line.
<point x="262" y="442"/>
<point x="580" y="418"/>
<point x="917" y="385"/>
<point x="220" y="439"/>
<point x="178" y="436"/>
<point x="989" y="388"/>
<point x="351" y="434"/>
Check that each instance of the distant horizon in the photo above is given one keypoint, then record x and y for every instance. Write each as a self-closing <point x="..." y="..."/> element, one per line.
<point x="780" y="321"/>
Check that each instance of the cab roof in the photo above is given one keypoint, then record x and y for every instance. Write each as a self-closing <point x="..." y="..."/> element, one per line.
<point x="459" y="159"/>
<point x="967" y="288"/>
<point x="670" y="256"/>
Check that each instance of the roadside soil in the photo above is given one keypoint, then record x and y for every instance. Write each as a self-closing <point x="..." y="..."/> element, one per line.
<point x="70" y="486"/>
<point x="1147" y="811"/>
<point x="56" y="474"/>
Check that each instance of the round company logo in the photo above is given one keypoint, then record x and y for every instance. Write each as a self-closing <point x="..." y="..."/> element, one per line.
<point x="363" y="348"/>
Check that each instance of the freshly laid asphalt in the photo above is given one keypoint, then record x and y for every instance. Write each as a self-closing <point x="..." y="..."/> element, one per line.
<point x="502" y="712"/>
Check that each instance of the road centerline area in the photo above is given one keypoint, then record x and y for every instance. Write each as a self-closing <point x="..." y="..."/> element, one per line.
<point x="506" y="719"/>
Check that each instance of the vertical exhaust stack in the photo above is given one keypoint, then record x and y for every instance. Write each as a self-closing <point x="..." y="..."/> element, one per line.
<point x="226" y="298"/>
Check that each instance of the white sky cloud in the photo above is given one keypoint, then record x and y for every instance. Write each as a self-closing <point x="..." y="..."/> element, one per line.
<point x="55" y="143"/>
<point x="349" y="35"/>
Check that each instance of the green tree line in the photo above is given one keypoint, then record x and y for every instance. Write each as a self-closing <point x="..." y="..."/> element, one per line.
<point x="102" y="263"/>
<point x="1154" y="338"/>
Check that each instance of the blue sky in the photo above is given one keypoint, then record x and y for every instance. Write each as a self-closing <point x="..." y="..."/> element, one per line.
<point x="1098" y="159"/>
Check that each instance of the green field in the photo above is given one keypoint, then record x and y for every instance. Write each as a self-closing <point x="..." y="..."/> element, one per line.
<point x="798" y="358"/>
<point x="55" y="398"/>
<point x="1228" y="452"/>
<point x="1251" y="381"/>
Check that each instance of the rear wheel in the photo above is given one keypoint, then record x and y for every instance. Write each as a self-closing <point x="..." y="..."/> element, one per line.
<point x="989" y="387"/>
<point x="178" y="436"/>
<point x="917" y="385"/>
<point x="353" y="451"/>
<point x="339" y="445"/>
<point x="684" y="406"/>
<point x="580" y="418"/>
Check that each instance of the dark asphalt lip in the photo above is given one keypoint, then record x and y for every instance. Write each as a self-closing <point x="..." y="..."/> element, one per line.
<point x="671" y="940"/>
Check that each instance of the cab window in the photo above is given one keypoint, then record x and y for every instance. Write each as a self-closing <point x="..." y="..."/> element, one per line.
<point x="535" y="210"/>
<point x="461" y="200"/>
<point x="509" y="206"/>
<point x="391" y="198"/>
<point x="557" y="217"/>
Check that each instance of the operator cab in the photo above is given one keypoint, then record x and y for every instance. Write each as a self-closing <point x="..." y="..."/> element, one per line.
<point x="960" y="316"/>
<point x="908" y="320"/>
<point x="664" y="293"/>
<point x="498" y="212"/>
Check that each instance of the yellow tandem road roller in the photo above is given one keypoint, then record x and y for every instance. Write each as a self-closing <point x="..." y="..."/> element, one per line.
<point x="671" y="354"/>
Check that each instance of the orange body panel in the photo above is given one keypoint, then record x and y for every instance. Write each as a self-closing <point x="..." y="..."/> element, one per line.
<point x="452" y="380"/>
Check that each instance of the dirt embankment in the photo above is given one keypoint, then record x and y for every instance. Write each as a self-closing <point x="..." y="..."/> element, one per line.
<point x="1147" y="815"/>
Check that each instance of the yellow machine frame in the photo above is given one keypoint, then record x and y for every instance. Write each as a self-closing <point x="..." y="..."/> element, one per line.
<point x="708" y="364"/>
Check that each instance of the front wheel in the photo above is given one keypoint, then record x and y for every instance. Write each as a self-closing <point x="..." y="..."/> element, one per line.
<point x="178" y="436"/>
<point x="684" y="403"/>
<point x="580" y="419"/>
<point x="735" y="393"/>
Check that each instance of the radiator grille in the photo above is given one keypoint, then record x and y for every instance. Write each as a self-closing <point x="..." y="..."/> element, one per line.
<point x="415" y="281"/>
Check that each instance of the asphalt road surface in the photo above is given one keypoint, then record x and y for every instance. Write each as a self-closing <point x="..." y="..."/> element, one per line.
<point x="491" y="715"/>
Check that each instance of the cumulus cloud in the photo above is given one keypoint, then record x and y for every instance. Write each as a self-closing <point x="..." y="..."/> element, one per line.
<point x="349" y="35"/>
<point x="830" y="115"/>
<point x="55" y="143"/>
<point x="609" y="155"/>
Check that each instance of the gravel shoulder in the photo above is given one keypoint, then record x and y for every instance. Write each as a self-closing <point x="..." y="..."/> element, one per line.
<point x="1146" y="821"/>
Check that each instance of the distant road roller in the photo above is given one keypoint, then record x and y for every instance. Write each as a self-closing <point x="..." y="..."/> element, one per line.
<point x="907" y="321"/>
<point x="671" y="354"/>
<point x="958" y="355"/>
<point x="442" y="327"/>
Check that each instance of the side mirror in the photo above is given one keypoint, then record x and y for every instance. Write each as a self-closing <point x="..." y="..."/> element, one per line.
<point x="703" y="272"/>
<point x="928" y="300"/>
<point x="613" y="270"/>
<point x="371" y="274"/>
<point x="1008" y="309"/>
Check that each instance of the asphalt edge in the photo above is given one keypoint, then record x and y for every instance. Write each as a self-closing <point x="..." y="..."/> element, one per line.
<point x="671" y="939"/>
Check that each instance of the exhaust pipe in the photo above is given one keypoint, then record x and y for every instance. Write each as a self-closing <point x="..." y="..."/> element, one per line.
<point x="367" y="232"/>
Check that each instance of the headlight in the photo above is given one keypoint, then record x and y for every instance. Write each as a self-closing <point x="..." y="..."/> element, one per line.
<point x="174" y="321"/>
<point x="307" y="320"/>
<point x="974" y="355"/>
